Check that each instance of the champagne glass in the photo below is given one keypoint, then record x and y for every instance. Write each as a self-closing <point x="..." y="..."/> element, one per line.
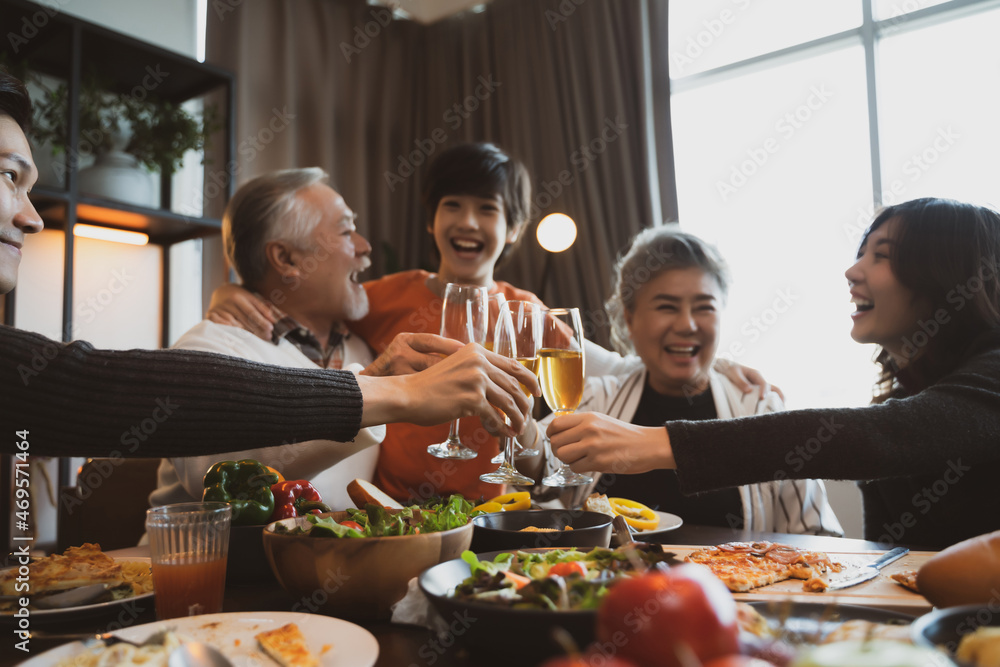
<point x="464" y="317"/>
<point x="505" y="342"/>
<point x="560" y="372"/>
<point x="527" y="318"/>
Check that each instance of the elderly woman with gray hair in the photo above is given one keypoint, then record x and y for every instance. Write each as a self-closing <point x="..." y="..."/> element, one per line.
<point x="668" y="293"/>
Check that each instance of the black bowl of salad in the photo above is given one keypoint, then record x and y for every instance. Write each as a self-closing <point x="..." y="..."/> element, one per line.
<point x="540" y="529"/>
<point x="500" y="603"/>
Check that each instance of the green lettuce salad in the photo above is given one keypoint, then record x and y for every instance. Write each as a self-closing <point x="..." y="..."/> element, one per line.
<point x="556" y="579"/>
<point x="375" y="521"/>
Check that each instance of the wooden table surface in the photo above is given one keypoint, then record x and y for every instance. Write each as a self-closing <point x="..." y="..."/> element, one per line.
<point x="399" y="646"/>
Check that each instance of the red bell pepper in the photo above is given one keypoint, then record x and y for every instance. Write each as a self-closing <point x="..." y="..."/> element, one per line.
<point x="294" y="498"/>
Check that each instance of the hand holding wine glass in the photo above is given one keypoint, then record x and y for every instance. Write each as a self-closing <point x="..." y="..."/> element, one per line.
<point x="561" y="373"/>
<point x="464" y="317"/>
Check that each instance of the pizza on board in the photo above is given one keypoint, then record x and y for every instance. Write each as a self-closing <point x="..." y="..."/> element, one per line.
<point x="743" y="566"/>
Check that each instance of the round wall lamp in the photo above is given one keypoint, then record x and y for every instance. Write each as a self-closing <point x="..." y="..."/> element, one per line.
<point x="555" y="233"/>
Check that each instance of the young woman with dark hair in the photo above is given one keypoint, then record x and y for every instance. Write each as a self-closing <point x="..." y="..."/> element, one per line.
<point x="926" y="286"/>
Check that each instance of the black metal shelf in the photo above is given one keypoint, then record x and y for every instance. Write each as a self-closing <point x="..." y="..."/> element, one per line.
<point x="69" y="49"/>
<point x="163" y="227"/>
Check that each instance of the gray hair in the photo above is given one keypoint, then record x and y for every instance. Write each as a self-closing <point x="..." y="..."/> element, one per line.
<point x="653" y="251"/>
<point x="266" y="209"/>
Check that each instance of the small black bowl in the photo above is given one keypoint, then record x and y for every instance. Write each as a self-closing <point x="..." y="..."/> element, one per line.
<point x="502" y="531"/>
<point x="944" y="628"/>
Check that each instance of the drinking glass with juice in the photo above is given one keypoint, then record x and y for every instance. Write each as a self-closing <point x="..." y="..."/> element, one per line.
<point x="189" y="543"/>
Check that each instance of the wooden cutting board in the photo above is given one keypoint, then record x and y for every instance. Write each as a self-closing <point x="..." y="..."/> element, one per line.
<point x="881" y="592"/>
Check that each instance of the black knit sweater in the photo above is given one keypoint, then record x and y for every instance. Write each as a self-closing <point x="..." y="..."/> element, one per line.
<point x="74" y="400"/>
<point x="931" y="461"/>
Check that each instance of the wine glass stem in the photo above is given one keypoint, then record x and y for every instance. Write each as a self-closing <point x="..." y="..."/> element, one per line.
<point x="507" y="443"/>
<point x="453" y="434"/>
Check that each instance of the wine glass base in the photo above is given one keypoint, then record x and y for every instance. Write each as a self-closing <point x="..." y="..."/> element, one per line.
<point x="566" y="477"/>
<point x="448" y="450"/>
<point x="506" y="476"/>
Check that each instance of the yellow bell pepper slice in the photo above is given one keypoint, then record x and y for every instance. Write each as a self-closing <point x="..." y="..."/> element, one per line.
<point x="489" y="507"/>
<point x="508" y="502"/>
<point x="636" y="514"/>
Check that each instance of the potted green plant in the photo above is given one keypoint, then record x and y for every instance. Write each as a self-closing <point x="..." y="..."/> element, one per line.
<point x="129" y="137"/>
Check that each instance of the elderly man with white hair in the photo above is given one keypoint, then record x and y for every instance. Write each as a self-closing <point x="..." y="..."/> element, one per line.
<point x="292" y="239"/>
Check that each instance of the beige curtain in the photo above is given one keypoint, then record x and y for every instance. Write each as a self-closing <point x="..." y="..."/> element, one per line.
<point x="577" y="92"/>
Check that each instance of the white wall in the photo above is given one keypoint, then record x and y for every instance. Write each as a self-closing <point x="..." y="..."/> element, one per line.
<point x="134" y="317"/>
<point x="170" y="24"/>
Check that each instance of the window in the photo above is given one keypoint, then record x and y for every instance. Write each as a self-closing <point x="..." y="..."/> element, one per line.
<point x="791" y="126"/>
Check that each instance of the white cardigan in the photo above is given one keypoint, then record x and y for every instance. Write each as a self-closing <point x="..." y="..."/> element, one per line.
<point x="329" y="465"/>
<point x="787" y="506"/>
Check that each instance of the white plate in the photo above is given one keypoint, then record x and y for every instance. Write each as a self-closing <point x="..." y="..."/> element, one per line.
<point x="133" y="606"/>
<point x="668" y="522"/>
<point x="335" y="642"/>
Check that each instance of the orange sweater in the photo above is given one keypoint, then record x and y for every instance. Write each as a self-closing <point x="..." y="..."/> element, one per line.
<point x="402" y="302"/>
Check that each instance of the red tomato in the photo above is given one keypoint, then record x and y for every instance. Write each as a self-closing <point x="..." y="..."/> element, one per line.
<point x="566" y="569"/>
<point x="651" y="618"/>
<point x="353" y="524"/>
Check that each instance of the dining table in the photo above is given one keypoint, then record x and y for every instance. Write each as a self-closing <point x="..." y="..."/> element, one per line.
<point x="402" y="645"/>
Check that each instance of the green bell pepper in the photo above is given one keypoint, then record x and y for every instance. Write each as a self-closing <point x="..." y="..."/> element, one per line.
<point x="246" y="485"/>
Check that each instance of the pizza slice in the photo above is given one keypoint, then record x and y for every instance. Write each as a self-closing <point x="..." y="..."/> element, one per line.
<point x="743" y="566"/>
<point x="907" y="579"/>
<point x="77" y="566"/>
<point x="287" y="646"/>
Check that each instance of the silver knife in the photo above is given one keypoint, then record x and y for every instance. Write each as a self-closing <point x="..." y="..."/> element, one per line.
<point x="855" y="576"/>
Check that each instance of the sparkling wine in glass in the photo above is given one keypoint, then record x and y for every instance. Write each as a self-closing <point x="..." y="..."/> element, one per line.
<point x="527" y="318"/>
<point x="507" y="342"/>
<point x="561" y="372"/>
<point x="464" y="317"/>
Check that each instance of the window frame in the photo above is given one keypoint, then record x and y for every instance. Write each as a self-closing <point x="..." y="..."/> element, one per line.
<point x="868" y="34"/>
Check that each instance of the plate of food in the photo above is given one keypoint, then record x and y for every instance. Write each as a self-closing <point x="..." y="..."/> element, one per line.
<point x="527" y="593"/>
<point x="248" y="639"/>
<point x="643" y="521"/>
<point x="82" y="582"/>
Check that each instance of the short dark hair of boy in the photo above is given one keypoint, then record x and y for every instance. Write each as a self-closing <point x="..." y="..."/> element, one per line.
<point x="480" y="170"/>
<point x="14" y="100"/>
